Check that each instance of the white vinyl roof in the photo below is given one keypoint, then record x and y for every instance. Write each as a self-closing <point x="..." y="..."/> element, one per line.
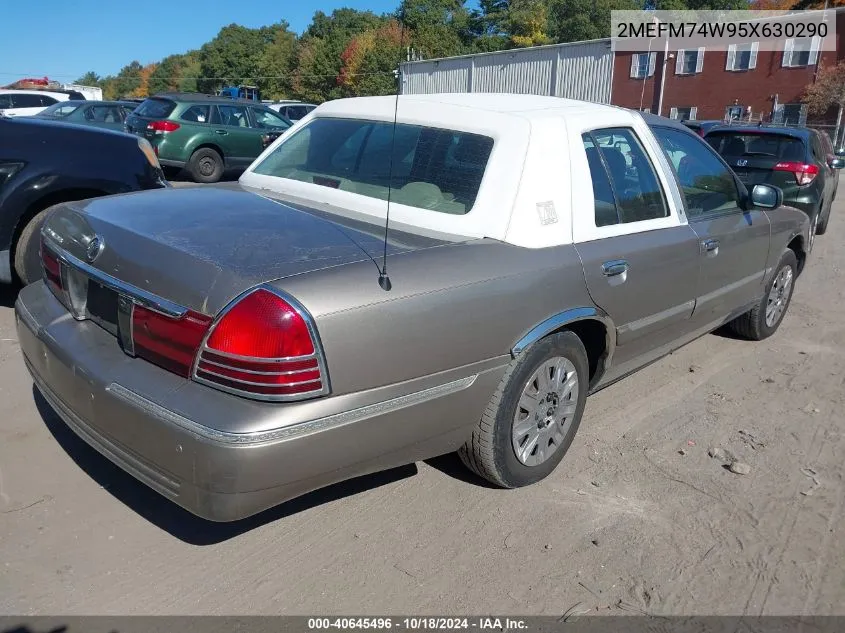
<point x="535" y="175"/>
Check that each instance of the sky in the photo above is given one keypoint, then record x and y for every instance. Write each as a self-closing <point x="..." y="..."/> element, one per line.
<point x="63" y="40"/>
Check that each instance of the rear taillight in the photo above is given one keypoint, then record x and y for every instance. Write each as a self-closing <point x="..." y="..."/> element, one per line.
<point x="52" y="268"/>
<point x="263" y="346"/>
<point x="804" y="173"/>
<point x="169" y="342"/>
<point x="162" y="126"/>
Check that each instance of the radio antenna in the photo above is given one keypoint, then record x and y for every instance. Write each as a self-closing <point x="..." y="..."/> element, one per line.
<point x="383" y="277"/>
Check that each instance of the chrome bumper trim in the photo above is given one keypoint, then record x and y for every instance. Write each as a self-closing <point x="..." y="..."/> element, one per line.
<point x="295" y="430"/>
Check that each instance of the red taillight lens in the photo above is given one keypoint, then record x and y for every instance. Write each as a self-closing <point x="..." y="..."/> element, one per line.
<point x="804" y="173"/>
<point x="52" y="268"/>
<point x="162" y="126"/>
<point x="168" y="342"/>
<point x="262" y="345"/>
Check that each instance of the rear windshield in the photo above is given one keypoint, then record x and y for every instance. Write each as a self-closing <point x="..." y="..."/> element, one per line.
<point x="785" y="148"/>
<point x="432" y="168"/>
<point x="155" y="108"/>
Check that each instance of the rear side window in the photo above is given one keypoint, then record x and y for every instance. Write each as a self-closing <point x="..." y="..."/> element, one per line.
<point x="432" y="168"/>
<point x="606" y="212"/>
<point x="197" y="114"/>
<point x="636" y="190"/>
<point x="29" y="101"/>
<point x="103" y="114"/>
<point x="783" y="148"/>
<point x="155" y="108"/>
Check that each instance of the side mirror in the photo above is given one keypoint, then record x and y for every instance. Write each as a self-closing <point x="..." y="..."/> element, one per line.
<point x="766" y="197"/>
<point x="837" y="163"/>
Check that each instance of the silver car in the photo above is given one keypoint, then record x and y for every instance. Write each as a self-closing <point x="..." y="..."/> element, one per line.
<point x="237" y="345"/>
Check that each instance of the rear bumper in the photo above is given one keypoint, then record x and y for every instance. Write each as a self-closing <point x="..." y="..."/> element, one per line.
<point x="222" y="457"/>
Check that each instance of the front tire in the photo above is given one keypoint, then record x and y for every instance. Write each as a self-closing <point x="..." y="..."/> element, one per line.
<point x="206" y="165"/>
<point x="533" y="416"/>
<point x="764" y="319"/>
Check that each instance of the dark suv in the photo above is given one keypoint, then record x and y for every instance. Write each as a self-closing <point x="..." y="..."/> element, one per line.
<point x="43" y="163"/>
<point x="206" y="135"/>
<point x="800" y="161"/>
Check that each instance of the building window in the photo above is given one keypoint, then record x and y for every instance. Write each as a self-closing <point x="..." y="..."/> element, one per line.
<point x="686" y="113"/>
<point x="689" y="62"/>
<point x="790" y="114"/>
<point x="742" y="56"/>
<point x="642" y="65"/>
<point x="800" y="52"/>
<point x="734" y="112"/>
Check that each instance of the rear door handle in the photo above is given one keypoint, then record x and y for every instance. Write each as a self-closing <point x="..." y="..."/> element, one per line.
<point x="221" y="132"/>
<point x="711" y="246"/>
<point x="614" y="268"/>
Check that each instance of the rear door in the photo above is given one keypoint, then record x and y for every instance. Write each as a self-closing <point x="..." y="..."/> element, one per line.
<point x="733" y="243"/>
<point x="240" y="142"/>
<point x="640" y="259"/>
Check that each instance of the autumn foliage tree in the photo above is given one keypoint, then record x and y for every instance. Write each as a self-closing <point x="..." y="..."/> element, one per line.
<point x="369" y="61"/>
<point x="828" y="91"/>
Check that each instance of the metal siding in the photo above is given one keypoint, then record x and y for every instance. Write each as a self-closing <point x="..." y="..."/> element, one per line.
<point x="575" y="71"/>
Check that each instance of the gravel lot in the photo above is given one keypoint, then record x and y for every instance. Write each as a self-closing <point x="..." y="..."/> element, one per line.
<point x="638" y="517"/>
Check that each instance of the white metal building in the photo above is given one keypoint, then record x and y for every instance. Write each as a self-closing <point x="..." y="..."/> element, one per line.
<point x="577" y="70"/>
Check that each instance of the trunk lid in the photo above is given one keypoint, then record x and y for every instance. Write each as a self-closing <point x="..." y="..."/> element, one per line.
<point x="149" y="111"/>
<point x="200" y="247"/>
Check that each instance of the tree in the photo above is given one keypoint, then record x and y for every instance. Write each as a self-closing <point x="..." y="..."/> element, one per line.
<point x="89" y="79"/>
<point x="370" y="60"/>
<point x="276" y="64"/>
<point x="319" y="61"/>
<point x="143" y="90"/>
<point x="575" y="20"/>
<point x="233" y="56"/>
<point x="827" y="91"/>
<point x="436" y="28"/>
<point x="527" y="22"/>
<point x="127" y="81"/>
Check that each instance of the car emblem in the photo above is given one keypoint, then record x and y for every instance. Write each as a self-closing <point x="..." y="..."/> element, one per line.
<point x="94" y="248"/>
<point x="741" y="162"/>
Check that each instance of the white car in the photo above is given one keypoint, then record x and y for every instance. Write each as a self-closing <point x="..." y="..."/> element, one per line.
<point x="28" y="102"/>
<point x="292" y="110"/>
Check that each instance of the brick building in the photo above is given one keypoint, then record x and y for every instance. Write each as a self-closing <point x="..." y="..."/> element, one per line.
<point x="710" y="84"/>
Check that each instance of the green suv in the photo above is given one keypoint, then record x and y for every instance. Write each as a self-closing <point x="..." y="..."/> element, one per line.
<point x="203" y="134"/>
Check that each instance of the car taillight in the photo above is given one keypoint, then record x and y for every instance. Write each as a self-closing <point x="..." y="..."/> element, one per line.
<point x="169" y="342"/>
<point x="52" y="268"/>
<point x="162" y="126"/>
<point x="263" y="346"/>
<point x="804" y="173"/>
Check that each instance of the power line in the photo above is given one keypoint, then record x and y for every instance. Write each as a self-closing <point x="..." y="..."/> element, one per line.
<point x="227" y="78"/>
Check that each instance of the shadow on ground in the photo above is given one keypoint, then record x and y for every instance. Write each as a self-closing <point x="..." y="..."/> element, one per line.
<point x="173" y="519"/>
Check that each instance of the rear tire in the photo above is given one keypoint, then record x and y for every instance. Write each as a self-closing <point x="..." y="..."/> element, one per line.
<point x="27" y="257"/>
<point x="533" y="416"/>
<point x="206" y="165"/>
<point x="764" y="319"/>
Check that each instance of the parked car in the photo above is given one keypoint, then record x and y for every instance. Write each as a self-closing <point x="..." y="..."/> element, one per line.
<point x="249" y="355"/>
<point x="105" y="114"/>
<point x="14" y="103"/>
<point x="293" y="110"/>
<point x="701" y="127"/>
<point x="203" y="134"/>
<point x="797" y="160"/>
<point x="43" y="163"/>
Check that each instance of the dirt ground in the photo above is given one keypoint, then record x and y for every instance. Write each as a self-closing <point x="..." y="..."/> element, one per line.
<point x="637" y="517"/>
